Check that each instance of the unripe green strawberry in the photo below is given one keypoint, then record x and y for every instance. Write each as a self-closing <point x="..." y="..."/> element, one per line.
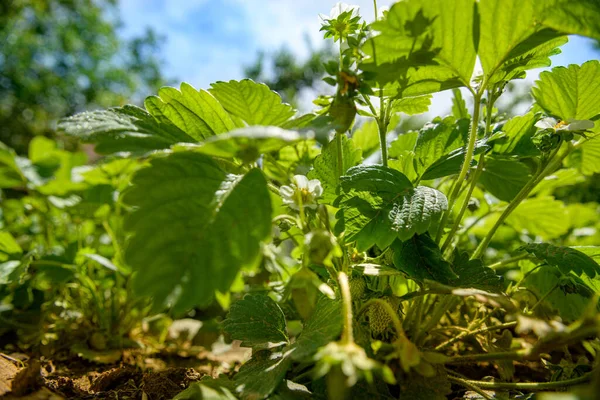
<point x="379" y="319"/>
<point x="357" y="288"/>
<point x="343" y="111"/>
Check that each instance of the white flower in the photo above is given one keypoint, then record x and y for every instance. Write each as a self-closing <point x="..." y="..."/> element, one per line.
<point x="338" y="9"/>
<point x="301" y="191"/>
<point x="568" y="125"/>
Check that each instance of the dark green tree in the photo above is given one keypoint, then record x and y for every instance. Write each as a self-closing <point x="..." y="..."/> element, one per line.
<point x="59" y="57"/>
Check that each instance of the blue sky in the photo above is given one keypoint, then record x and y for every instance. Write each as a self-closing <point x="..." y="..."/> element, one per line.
<point x="211" y="40"/>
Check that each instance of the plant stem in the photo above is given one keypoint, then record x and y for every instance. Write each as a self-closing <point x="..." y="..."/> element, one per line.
<point x="544" y="297"/>
<point x="528" y="386"/>
<point x="381" y="120"/>
<point x="475" y="332"/>
<point x="465" y="167"/>
<point x="340" y="154"/>
<point x="481" y="163"/>
<point x="469" y="385"/>
<point x="347" y="334"/>
<point x="447" y="303"/>
<point x="511" y="260"/>
<point x="552" y="163"/>
<point x="465" y="204"/>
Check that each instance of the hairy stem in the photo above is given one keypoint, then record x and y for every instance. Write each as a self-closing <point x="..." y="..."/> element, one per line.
<point x="340" y="154"/>
<point x="347" y="334"/>
<point x="381" y="120"/>
<point x="481" y="163"/>
<point x="508" y="261"/>
<point x="469" y="385"/>
<point x="528" y="386"/>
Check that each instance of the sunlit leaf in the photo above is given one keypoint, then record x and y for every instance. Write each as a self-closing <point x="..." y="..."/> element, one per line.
<point x="504" y="178"/>
<point x="571" y="92"/>
<point x="195" y="112"/>
<point x="193" y="227"/>
<point x="252" y="102"/>
<point x="542" y="216"/>
<point x="325" y="166"/>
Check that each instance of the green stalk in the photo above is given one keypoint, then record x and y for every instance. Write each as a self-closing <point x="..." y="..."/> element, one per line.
<point x="488" y="123"/>
<point x="552" y="164"/>
<point x="469" y="385"/>
<point x="347" y="334"/>
<point x="381" y="120"/>
<point x="544" y="297"/>
<point x="527" y="386"/>
<point x="474" y="332"/>
<point x="465" y="167"/>
<point x="511" y="260"/>
<point x="446" y="304"/>
<point x="340" y="154"/>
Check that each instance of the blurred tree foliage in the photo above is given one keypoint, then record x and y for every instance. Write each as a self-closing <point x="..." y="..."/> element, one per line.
<point x="285" y="74"/>
<point x="59" y="57"/>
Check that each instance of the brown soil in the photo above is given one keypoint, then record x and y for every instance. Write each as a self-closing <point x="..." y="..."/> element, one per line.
<point x="136" y="376"/>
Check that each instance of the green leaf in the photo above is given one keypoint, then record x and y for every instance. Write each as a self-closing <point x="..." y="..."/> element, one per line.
<point x="541" y="216"/>
<point x="425" y="46"/>
<point x="8" y="270"/>
<point x="10" y="173"/>
<point x="376" y="179"/>
<point x="193" y="227"/>
<point x="401" y="154"/>
<point x="569" y="306"/>
<point x="560" y="178"/>
<point x="450" y="164"/>
<point x="518" y="132"/>
<point x="438" y="139"/>
<point x="591" y="251"/>
<point x="260" y="376"/>
<point x="459" y="107"/>
<point x="252" y="102"/>
<point x="325" y="166"/>
<point x="323" y="326"/>
<point x="590" y="156"/>
<point x="128" y="128"/>
<point x="420" y="258"/>
<point x="412" y="105"/>
<point x="246" y="144"/>
<point x="581" y="17"/>
<point x="9" y="247"/>
<point x="208" y="389"/>
<point x="510" y="34"/>
<point x="404" y="142"/>
<point x="366" y="137"/>
<point x="504" y="178"/>
<point x="196" y="113"/>
<point x="571" y="92"/>
<point x="257" y="321"/>
<point x="380" y="205"/>
<point x="473" y="274"/>
<point x="566" y="259"/>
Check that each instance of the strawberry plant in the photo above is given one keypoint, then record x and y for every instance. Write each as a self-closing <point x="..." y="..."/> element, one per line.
<point x="355" y="260"/>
